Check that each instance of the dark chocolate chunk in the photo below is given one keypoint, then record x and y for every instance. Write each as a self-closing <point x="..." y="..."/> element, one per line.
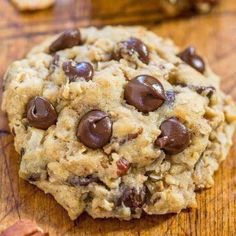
<point x="22" y="152"/>
<point x="190" y="57"/>
<point x="132" y="197"/>
<point x="67" y="39"/>
<point x="144" y="92"/>
<point x="76" y="70"/>
<point x="174" y="136"/>
<point x="95" y="129"/>
<point x="130" y="47"/>
<point x="205" y="90"/>
<point x="40" y="113"/>
<point x="77" y="181"/>
<point x="34" y="177"/>
<point x="122" y="166"/>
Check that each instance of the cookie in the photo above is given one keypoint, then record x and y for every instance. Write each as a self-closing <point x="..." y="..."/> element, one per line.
<point x="117" y="121"/>
<point x="32" y="5"/>
<point x="184" y="7"/>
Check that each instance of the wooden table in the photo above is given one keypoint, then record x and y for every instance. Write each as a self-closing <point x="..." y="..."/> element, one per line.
<point x="215" y="37"/>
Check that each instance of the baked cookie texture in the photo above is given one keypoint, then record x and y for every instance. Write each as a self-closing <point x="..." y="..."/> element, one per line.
<point x="32" y="5"/>
<point x="117" y="121"/>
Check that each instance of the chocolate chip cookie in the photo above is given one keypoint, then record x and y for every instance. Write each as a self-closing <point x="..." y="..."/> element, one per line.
<point x="117" y="121"/>
<point x="185" y="7"/>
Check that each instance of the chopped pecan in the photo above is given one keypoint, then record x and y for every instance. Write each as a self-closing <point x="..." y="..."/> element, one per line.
<point x="122" y="166"/>
<point x="132" y="197"/>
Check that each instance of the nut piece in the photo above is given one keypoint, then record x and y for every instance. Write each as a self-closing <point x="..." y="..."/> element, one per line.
<point x="122" y="166"/>
<point x="24" y="228"/>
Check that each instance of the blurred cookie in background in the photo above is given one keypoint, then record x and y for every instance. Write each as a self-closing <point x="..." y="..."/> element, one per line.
<point x="162" y="9"/>
<point x="183" y="7"/>
<point x="204" y="5"/>
<point x="32" y="5"/>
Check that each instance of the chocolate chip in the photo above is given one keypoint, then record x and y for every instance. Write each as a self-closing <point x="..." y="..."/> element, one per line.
<point x="40" y="113"/>
<point x="95" y="129"/>
<point x="122" y="166"/>
<point x="76" y="70"/>
<point x="77" y="181"/>
<point x="190" y="57"/>
<point x="205" y="90"/>
<point x="144" y="92"/>
<point x="133" y="198"/>
<point x="22" y="152"/>
<point x="130" y="47"/>
<point x="34" y="177"/>
<point x="68" y="39"/>
<point x="174" y="136"/>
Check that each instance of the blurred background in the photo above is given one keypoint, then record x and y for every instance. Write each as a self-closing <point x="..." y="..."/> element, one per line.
<point x="213" y="34"/>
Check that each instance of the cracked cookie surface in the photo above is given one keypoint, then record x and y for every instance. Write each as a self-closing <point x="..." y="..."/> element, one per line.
<point x="117" y="121"/>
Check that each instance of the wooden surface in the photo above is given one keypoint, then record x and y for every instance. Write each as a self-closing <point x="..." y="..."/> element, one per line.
<point x="215" y="37"/>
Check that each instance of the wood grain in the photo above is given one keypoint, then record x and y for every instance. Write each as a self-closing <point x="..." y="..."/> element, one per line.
<point x="214" y="35"/>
